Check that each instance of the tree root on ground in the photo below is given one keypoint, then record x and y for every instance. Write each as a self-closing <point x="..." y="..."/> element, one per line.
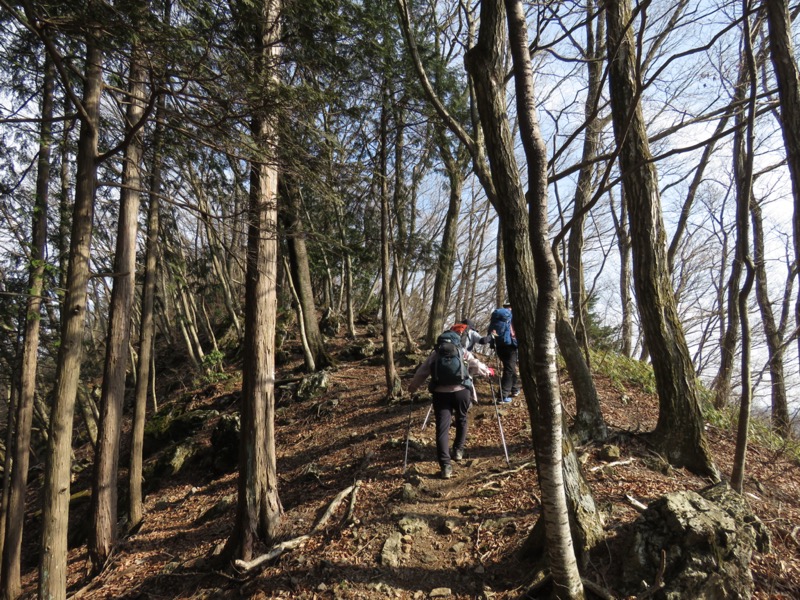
<point x="245" y="566"/>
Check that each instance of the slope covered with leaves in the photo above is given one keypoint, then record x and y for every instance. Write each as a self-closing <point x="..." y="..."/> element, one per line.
<point x="458" y="538"/>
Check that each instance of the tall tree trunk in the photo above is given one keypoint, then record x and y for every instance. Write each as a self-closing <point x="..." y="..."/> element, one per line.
<point x="679" y="432"/>
<point x="11" y="406"/>
<point x="500" y="292"/>
<point x="730" y="318"/>
<point x="301" y="322"/>
<point x="584" y="187"/>
<point x="399" y="201"/>
<point x="485" y="65"/>
<point x="624" y="247"/>
<point x="327" y="286"/>
<point x="743" y="158"/>
<point x="393" y="388"/>
<point x="64" y="208"/>
<point x="443" y="281"/>
<point x="12" y="546"/>
<point x="103" y="533"/>
<point x="259" y="510"/>
<point x="55" y="502"/>
<point x="787" y="77"/>
<point x="147" y="324"/>
<point x="589" y="421"/>
<point x="730" y="322"/>
<point x="190" y="312"/>
<point x="773" y="332"/>
<point x="546" y="404"/>
<point x="220" y="267"/>
<point x="89" y="413"/>
<point x="348" y="274"/>
<point x="291" y="215"/>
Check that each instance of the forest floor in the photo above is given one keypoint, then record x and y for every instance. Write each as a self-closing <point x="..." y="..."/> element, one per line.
<point x="464" y="534"/>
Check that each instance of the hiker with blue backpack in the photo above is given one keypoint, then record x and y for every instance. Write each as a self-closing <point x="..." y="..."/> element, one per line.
<point x="450" y="367"/>
<point x="501" y="329"/>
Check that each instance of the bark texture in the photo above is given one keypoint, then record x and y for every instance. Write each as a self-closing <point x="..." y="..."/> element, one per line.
<point x="550" y="435"/>
<point x="301" y="274"/>
<point x="55" y="502"/>
<point x="787" y="77"/>
<point x="743" y="159"/>
<point x="259" y="510"/>
<point x="103" y="534"/>
<point x="146" y="326"/>
<point x="679" y="432"/>
<point x="15" y="515"/>
<point x="485" y="65"/>
<point x="585" y="184"/>
<point x="447" y="252"/>
<point x="773" y="331"/>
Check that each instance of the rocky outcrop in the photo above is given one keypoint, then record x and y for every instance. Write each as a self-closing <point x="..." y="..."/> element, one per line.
<point x="172" y="425"/>
<point x="694" y="545"/>
<point x="313" y="385"/>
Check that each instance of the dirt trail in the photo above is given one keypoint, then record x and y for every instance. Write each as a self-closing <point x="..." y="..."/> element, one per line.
<point x="458" y="538"/>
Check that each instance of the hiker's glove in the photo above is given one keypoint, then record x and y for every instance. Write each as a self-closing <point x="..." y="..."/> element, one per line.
<point x="491" y="372"/>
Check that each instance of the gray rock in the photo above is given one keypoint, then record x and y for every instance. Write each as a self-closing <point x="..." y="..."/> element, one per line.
<point x="313" y="385"/>
<point x="411" y="525"/>
<point x="450" y="526"/>
<point x="170" y="425"/>
<point x="609" y="452"/>
<point x="500" y="524"/>
<point x="694" y="545"/>
<point x="392" y="551"/>
<point x="458" y="547"/>
<point x="409" y="493"/>
<point x="364" y="350"/>
<point x="429" y="557"/>
<point x="172" y="460"/>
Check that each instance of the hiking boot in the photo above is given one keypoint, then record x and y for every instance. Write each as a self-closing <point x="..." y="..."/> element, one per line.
<point x="515" y="394"/>
<point x="458" y="455"/>
<point x="447" y="472"/>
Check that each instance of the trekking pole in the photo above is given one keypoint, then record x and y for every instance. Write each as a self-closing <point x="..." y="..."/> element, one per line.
<point x="499" y="371"/>
<point x="427" y="416"/>
<point x="408" y="435"/>
<point x="499" y="422"/>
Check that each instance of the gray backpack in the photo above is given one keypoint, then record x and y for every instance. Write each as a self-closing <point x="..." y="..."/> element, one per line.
<point x="449" y="368"/>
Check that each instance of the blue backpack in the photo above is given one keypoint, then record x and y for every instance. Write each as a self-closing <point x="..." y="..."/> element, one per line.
<point x="500" y="327"/>
<point x="449" y="367"/>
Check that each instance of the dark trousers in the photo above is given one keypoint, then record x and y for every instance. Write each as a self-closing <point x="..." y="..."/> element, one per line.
<point x="509" y="382"/>
<point x="448" y="405"/>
